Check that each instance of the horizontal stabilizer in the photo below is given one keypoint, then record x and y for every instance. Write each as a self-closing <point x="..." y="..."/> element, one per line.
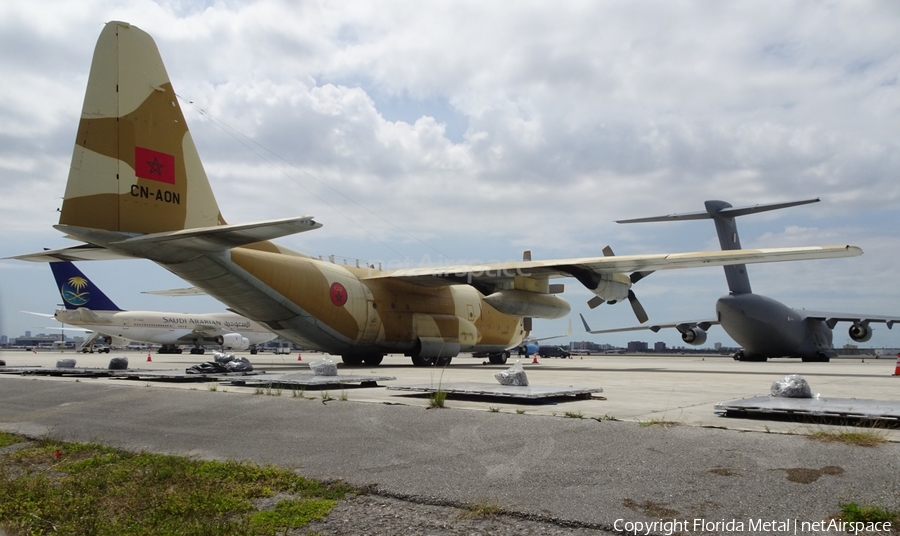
<point x="729" y="212"/>
<point x="81" y="252"/>
<point x="222" y="237"/>
<point x="187" y="291"/>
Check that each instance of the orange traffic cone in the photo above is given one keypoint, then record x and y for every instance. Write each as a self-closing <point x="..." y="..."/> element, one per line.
<point x="298" y="357"/>
<point x="897" y="367"/>
<point x="149" y="359"/>
<point x="535" y="359"/>
<point x="703" y="359"/>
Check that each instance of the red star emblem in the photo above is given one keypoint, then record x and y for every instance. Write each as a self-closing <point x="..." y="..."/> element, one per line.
<point x="338" y="294"/>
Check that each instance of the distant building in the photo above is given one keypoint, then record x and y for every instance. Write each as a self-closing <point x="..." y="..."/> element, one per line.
<point x="659" y="347"/>
<point x="717" y="346"/>
<point x="637" y="347"/>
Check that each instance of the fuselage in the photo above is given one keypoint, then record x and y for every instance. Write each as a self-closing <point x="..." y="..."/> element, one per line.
<point x="766" y="327"/>
<point x="347" y="310"/>
<point x="205" y="329"/>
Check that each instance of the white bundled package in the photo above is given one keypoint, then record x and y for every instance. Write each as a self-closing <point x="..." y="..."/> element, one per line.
<point x="791" y="386"/>
<point x="324" y="367"/>
<point x="222" y="357"/>
<point x="514" y="375"/>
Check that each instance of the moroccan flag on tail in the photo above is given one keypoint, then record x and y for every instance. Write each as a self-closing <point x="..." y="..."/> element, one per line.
<point x="154" y="165"/>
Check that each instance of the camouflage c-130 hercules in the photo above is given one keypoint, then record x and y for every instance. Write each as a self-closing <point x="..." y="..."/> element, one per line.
<point x="137" y="189"/>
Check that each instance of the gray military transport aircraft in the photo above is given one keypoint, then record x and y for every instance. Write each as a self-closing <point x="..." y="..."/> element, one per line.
<point x="137" y="189"/>
<point x="762" y="326"/>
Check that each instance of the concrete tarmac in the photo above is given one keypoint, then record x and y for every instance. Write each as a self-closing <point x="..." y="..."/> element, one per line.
<point x="540" y="460"/>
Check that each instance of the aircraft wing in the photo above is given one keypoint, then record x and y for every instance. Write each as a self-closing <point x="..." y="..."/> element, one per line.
<point x="591" y="269"/>
<point x="831" y="318"/>
<point x="680" y="326"/>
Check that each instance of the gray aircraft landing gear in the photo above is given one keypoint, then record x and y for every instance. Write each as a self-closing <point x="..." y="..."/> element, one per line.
<point x="820" y="357"/>
<point x="198" y="351"/>
<point x="498" y="358"/>
<point x="420" y="361"/>
<point x="740" y="355"/>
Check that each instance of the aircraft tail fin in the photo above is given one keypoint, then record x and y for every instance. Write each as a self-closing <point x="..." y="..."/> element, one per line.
<point x="723" y="214"/>
<point x="77" y="290"/>
<point x="135" y="168"/>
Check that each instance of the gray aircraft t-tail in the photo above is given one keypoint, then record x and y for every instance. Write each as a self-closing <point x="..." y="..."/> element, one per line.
<point x="763" y="327"/>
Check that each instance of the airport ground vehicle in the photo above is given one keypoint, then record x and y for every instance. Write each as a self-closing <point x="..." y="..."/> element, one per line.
<point x="553" y="351"/>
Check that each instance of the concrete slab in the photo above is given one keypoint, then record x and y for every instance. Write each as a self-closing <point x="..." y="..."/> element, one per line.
<point x="311" y="380"/>
<point x="857" y="409"/>
<point x="528" y="392"/>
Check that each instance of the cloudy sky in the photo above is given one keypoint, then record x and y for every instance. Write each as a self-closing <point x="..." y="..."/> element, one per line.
<point x="425" y="132"/>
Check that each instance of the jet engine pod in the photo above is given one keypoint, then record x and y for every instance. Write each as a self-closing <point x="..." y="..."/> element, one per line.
<point x="860" y="332"/>
<point x="694" y="336"/>
<point x="234" y="341"/>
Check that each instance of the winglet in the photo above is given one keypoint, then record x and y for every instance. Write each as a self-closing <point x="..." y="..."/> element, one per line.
<point x="583" y="321"/>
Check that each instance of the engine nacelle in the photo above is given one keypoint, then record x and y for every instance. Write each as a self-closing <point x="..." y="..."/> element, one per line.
<point x="613" y="287"/>
<point x="233" y="341"/>
<point x="860" y="332"/>
<point x="695" y="336"/>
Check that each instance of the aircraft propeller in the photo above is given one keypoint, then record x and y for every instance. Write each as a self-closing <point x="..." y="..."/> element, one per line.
<point x="636" y="306"/>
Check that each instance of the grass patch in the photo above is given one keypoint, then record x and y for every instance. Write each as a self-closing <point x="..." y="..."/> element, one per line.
<point x="482" y="511"/>
<point x="574" y="415"/>
<point x="492" y="409"/>
<point x="437" y="398"/>
<point x="520" y="412"/>
<point x="212" y="386"/>
<point x="9" y="439"/>
<point x="85" y="488"/>
<point x="861" y="438"/>
<point x="854" y="513"/>
<point x="660" y="422"/>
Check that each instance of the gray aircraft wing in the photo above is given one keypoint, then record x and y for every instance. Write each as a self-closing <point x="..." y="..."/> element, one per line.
<point x="831" y="318"/>
<point x="680" y="326"/>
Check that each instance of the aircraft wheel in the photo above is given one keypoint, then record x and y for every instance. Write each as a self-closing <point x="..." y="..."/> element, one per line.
<point x="254" y="351"/>
<point x="352" y="360"/>
<point x="177" y="351"/>
<point x="422" y="361"/>
<point x="499" y="358"/>
<point x="442" y="361"/>
<point x="373" y="360"/>
<point x="738" y="356"/>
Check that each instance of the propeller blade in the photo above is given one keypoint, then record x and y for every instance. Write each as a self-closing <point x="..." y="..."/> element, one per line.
<point x="526" y="323"/>
<point x="608" y="252"/>
<point x="637" y="276"/>
<point x="636" y="306"/>
<point x="595" y="302"/>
